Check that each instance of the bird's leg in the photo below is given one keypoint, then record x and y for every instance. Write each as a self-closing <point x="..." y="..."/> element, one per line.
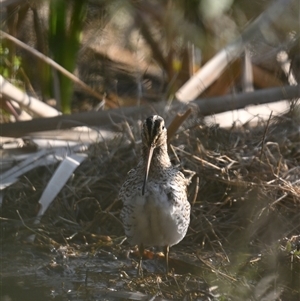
<point x="140" y="267"/>
<point x="166" y="252"/>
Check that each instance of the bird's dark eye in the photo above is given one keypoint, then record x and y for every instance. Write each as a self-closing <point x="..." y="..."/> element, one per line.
<point x="163" y="127"/>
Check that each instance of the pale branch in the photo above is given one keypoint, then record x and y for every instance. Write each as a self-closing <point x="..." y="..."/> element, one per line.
<point x="109" y="118"/>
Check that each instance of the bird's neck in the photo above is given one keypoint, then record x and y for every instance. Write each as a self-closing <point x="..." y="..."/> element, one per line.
<point x="160" y="158"/>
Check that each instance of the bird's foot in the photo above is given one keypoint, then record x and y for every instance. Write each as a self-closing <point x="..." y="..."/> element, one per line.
<point x="140" y="270"/>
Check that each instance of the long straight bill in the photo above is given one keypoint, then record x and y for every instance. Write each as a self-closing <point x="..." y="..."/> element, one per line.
<point x="147" y="168"/>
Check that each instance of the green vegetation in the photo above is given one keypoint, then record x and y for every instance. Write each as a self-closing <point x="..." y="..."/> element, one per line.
<point x="66" y="21"/>
<point x="9" y="65"/>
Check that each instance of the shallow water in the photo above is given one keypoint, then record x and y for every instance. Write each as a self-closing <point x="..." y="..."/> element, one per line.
<point x="31" y="272"/>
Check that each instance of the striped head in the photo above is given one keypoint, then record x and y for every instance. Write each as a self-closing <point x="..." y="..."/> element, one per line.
<point x="154" y="134"/>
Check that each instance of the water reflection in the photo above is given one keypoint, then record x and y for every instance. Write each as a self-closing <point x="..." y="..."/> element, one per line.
<point x="29" y="273"/>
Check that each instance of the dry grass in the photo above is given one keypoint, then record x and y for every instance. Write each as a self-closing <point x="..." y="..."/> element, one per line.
<point x="243" y="178"/>
<point x="244" y="191"/>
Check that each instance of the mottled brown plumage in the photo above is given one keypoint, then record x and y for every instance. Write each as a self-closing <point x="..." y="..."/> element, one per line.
<point x="155" y="211"/>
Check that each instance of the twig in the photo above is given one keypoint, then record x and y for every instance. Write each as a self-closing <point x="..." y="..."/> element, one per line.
<point x="264" y="137"/>
<point x="196" y="192"/>
<point x="209" y="265"/>
<point x="35" y="232"/>
<point x="30" y="229"/>
<point x="204" y="162"/>
<point x="58" y="67"/>
<point x="278" y="200"/>
<point x="177" y="122"/>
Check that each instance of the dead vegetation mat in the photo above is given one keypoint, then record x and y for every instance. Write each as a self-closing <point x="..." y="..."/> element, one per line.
<point x="244" y="187"/>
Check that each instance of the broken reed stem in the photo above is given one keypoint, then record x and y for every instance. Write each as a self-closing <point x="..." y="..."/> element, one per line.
<point x="177" y="122"/>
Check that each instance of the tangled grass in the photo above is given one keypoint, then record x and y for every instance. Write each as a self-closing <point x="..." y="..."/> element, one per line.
<point x="244" y="191"/>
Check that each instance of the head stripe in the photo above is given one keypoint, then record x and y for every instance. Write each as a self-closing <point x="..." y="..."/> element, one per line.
<point x="152" y="126"/>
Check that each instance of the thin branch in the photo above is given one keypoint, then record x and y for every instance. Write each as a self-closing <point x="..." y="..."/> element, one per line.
<point x="58" y="67"/>
<point x="177" y="122"/>
<point x="264" y="137"/>
<point x="206" y="106"/>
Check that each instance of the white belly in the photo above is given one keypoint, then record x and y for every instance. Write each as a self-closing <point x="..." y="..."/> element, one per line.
<point x="154" y="220"/>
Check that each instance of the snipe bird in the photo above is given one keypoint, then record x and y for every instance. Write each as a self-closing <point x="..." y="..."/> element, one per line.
<point x="156" y="211"/>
